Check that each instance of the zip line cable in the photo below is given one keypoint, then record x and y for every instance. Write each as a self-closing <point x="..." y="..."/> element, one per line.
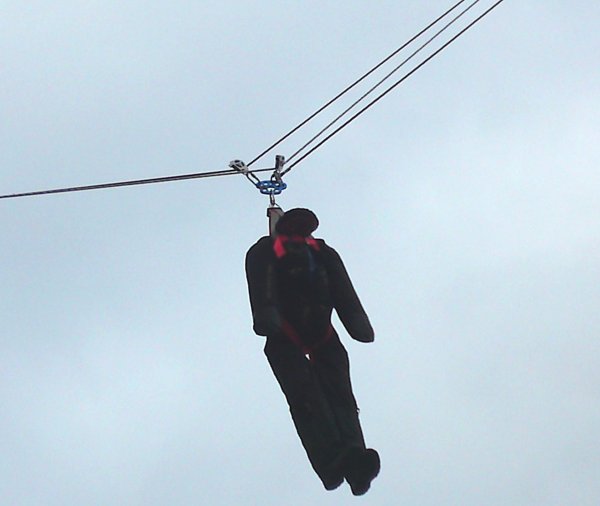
<point x="182" y="177"/>
<point x="250" y="174"/>
<point x="379" y="83"/>
<point x="355" y="83"/>
<point x="392" y="87"/>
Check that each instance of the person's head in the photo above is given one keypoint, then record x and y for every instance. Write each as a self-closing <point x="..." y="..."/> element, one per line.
<point x="299" y="221"/>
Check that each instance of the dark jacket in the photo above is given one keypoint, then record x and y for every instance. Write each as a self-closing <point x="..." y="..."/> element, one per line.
<point x="301" y="289"/>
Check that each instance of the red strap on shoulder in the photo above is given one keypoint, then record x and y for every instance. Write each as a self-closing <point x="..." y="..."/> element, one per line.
<point x="278" y="246"/>
<point x="312" y="242"/>
<point x="280" y="240"/>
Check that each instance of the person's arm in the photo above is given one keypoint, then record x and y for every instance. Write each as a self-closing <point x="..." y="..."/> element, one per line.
<point x="345" y="299"/>
<point x="262" y="288"/>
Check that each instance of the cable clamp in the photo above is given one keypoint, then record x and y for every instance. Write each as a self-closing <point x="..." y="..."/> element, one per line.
<point x="279" y="163"/>
<point x="239" y="166"/>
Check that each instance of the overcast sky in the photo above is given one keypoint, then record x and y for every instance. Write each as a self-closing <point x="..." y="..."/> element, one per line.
<point x="465" y="206"/>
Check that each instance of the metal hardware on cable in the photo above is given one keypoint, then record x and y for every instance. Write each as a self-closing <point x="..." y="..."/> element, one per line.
<point x="242" y="168"/>
<point x="239" y="165"/>
<point x="275" y="185"/>
<point x="279" y="163"/>
<point x="270" y="187"/>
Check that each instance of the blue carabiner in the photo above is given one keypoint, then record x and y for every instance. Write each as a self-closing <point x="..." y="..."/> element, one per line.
<point x="271" y="187"/>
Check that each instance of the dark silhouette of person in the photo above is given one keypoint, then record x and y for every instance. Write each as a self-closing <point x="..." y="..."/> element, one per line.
<point x="295" y="282"/>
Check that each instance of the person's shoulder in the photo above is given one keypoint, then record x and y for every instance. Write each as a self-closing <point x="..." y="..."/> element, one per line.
<point x="323" y="245"/>
<point x="263" y="244"/>
<point x="326" y="249"/>
<point x="264" y="241"/>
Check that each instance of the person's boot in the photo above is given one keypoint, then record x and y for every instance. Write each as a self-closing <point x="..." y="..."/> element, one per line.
<point x="333" y="476"/>
<point x="361" y="467"/>
<point x="332" y="482"/>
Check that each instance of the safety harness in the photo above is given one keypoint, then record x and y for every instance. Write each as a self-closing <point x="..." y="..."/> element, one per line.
<point x="280" y="250"/>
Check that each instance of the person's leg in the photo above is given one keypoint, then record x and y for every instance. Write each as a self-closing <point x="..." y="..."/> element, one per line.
<point x="313" y="418"/>
<point x="358" y="464"/>
<point x="332" y="367"/>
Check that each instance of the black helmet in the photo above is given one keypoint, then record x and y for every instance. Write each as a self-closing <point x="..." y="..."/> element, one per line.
<point x="297" y="221"/>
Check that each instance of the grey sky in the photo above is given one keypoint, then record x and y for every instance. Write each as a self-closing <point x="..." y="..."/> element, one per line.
<point x="465" y="206"/>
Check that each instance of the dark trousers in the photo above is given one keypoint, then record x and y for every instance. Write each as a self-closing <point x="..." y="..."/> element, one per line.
<point x="322" y="405"/>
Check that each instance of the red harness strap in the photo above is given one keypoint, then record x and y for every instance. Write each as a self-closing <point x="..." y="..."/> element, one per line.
<point x="280" y="240"/>
<point x="295" y="338"/>
<point x="290" y="332"/>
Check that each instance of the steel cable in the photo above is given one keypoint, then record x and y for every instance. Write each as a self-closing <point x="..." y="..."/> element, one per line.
<point x="392" y="87"/>
<point x="166" y="179"/>
<point x="355" y="83"/>
<point x="381" y="81"/>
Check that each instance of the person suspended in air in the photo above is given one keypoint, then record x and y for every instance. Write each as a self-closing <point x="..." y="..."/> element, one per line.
<point x="294" y="283"/>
